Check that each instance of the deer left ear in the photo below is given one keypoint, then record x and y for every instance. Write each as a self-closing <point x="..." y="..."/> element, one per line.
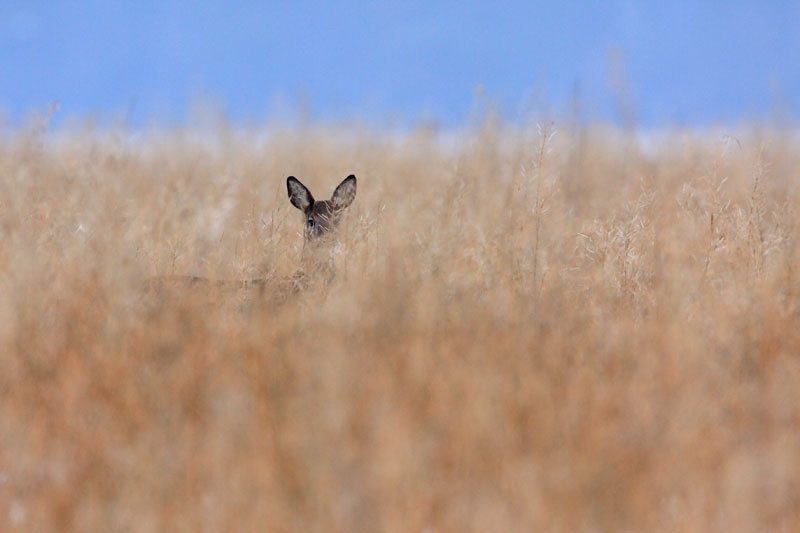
<point x="299" y="194"/>
<point x="345" y="193"/>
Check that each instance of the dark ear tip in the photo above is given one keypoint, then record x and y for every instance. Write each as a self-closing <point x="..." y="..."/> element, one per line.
<point x="290" y="178"/>
<point x="351" y="177"/>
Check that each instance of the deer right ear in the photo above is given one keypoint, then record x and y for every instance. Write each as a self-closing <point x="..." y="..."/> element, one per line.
<point x="345" y="193"/>
<point x="299" y="194"/>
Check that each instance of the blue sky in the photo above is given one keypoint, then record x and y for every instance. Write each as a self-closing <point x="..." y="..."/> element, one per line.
<point x="678" y="63"/>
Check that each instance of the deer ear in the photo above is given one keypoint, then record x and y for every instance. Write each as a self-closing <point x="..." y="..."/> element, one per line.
<point x="345" y="193"/>
<point x="299" y="194"/>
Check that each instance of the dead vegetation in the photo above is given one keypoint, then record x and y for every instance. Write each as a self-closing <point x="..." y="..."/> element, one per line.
<point x="534" y="329"/>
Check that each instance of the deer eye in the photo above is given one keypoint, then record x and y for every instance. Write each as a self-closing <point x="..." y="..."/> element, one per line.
<point x="310" y="223"/>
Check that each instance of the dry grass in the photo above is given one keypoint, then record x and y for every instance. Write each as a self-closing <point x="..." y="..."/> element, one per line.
<point x="527" y="331"/>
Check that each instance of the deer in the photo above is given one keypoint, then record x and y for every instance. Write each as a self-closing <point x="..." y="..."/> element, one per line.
<point x="320" y="220"/>
<point x="320" y="216"/>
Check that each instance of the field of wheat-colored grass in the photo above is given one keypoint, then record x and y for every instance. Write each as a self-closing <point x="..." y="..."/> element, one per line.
<point x="528" y="329"/>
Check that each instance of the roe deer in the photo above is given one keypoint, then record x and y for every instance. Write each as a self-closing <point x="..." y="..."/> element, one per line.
<point x="320" y="218"/>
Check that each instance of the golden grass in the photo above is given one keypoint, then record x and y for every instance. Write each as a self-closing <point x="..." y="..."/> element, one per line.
<point x="528" y="330"/>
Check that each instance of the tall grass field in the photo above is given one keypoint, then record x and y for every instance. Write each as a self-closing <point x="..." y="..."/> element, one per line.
<point x="536" y="328"/>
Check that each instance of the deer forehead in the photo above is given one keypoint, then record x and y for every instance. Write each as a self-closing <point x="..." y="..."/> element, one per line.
<point x="322" y="208"/>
